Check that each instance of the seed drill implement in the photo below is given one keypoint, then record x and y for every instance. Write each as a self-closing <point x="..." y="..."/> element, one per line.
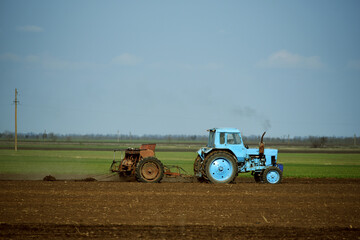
<point x="142" y="164"/>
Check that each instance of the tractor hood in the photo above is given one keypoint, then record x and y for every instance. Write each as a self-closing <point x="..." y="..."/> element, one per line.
<point x="271" y="152"/>
<point x="267" y="152"/>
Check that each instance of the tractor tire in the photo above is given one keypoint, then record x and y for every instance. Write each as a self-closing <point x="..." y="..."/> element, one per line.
<point x="272" y="175"/>
<point x="149" y="170"/>
<point x="258" y="177"/>
<point x="220" y="167"/>
<point x="197" y="169"/>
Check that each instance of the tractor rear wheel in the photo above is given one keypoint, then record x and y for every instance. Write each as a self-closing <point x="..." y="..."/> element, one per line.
<point x="272" y="175"/>
<point x="197" y="169"/>
<point x="149" y="170"/>
<point x="220" y="167"/>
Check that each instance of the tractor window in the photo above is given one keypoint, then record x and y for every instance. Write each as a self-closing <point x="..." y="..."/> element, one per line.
<point x="233" y="138"/>
<point x="211" y="139"/>
<point x="222" y="138"/>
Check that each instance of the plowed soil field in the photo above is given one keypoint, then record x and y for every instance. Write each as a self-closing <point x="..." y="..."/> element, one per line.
<point x="296" y="208"/>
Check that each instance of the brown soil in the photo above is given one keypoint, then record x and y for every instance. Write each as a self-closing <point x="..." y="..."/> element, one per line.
<point x="49" y="178"/>
<point x="89" y="179"/>
<point x="297" y="208"/>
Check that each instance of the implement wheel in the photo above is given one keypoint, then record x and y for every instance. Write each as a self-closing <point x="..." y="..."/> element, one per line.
<point x="149" y="170"/>
<point x="220" y="167"/>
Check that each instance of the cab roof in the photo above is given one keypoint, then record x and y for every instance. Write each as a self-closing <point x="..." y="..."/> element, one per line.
<point x="233" y="130"/>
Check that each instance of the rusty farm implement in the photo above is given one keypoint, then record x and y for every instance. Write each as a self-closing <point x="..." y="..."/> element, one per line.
<point x="142" y="164"/>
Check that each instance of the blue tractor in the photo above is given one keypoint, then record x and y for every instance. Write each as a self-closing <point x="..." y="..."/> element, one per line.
<point x="226" y="155"/>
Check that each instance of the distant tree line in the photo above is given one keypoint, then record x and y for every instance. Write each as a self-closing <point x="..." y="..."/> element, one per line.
<point x="312" y="141"/>
<point x="106" y="137"/>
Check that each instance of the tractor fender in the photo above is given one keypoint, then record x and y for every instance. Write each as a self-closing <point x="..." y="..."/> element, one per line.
<point x="203" y="152"/>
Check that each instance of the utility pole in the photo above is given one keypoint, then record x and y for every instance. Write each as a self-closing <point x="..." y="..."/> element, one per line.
<point x="354" y="139"/>
<point x="288" y="139"/>
<point x="16" y="102"/>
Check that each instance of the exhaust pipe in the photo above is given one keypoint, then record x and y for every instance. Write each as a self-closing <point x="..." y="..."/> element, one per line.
<point x="262" y="145"/>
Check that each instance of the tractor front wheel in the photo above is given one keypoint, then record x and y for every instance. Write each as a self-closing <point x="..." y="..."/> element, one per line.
<point x="149" y="170"/>
<point x="272" y="175"/>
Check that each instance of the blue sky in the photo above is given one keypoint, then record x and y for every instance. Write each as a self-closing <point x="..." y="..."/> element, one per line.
<point x="181" y="67"/>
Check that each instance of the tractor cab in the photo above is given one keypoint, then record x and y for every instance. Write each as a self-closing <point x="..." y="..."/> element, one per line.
<point x="227" y="139"/>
